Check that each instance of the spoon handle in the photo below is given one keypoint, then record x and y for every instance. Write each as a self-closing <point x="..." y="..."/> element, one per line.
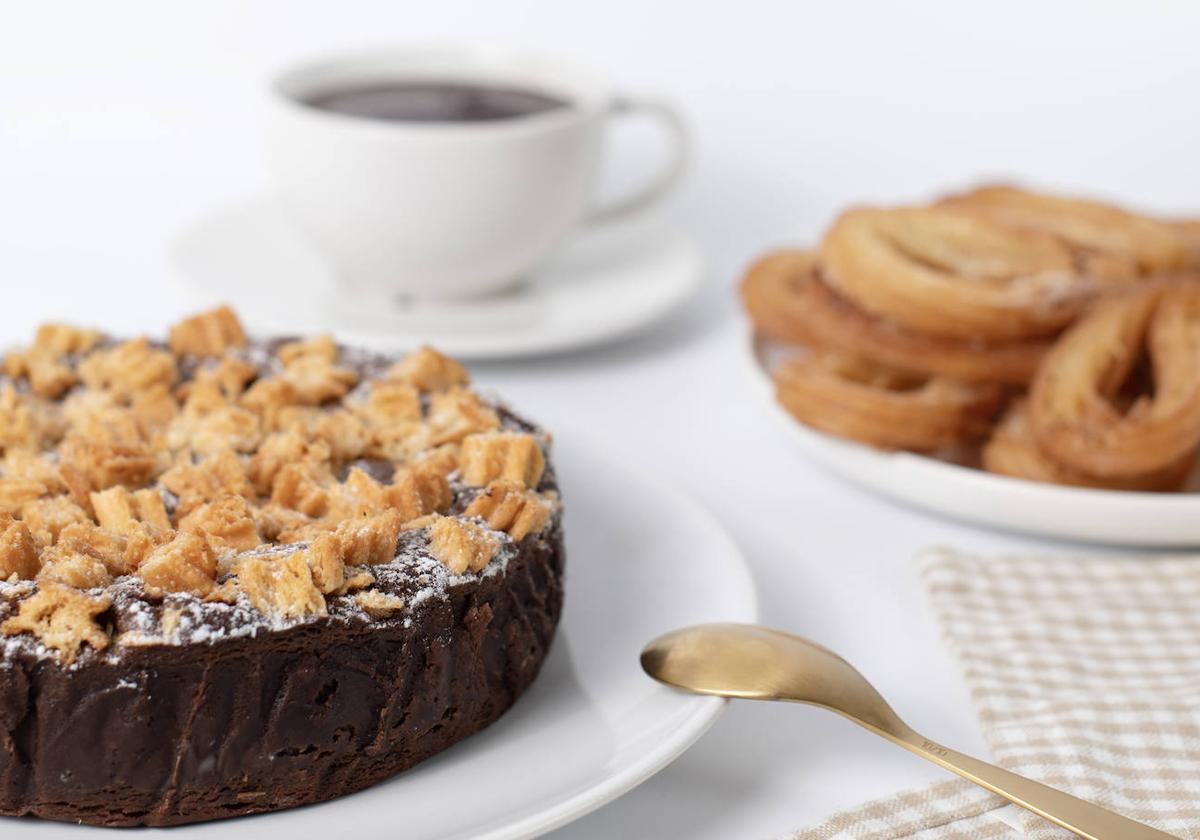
<point x="1084" y="818"/>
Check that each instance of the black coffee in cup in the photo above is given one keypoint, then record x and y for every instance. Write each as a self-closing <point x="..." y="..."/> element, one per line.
<point x="434" y="101"/>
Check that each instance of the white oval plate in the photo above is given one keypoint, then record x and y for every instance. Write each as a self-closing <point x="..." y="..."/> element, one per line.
<point x="641" y="560"/>
<point x="1113" y="517"/>
<point x="607" y="283"/>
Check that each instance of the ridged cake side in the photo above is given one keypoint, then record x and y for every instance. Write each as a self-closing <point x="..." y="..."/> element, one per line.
<point x="171" y="735"/>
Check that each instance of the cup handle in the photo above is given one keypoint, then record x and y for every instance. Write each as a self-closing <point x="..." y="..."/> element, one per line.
<point x="668" y="175"/>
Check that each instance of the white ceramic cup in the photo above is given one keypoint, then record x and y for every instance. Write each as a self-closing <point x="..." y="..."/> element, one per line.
<point x="448" y="209"/>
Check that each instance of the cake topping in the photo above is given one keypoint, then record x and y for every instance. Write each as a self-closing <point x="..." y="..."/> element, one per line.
<point x="119" y="511"/>
<point x="226" y="523"/>
<point x="510" y="456"/>
<point x="185" y="564"/>
<point x="429" y="370"/>
<point x="508" y="506"/>
<point x="281" y="586"/>
<point x="118" y="555"/>
<point x="207" y="334"/>
<point x="461" y="545"/>
<point x="211" y="473"/>
<point x="79" y="571"/>
<point x="44" y="364"/>
<point x="378" y="603"/>
<point x="18" y="555"/>
<point x="62" y="618"/>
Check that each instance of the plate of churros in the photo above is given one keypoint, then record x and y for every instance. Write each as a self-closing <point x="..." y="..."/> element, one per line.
<point x="1014" y="359"/>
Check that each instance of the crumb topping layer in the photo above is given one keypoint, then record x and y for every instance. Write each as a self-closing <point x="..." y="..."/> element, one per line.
<point x="162" y="492"/>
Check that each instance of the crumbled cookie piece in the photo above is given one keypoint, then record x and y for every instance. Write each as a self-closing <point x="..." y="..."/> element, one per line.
<point x="113" y="509"/>
<point x="128" y="368"/>
<point x="310" y="367"/>
<point x="422" y="522"/>
<point x="202" y="396"/>
<point x="89" y="463"/>
<point x="185" y="564"/>
<point x="16" y="492"/>
<point x="321" y="347"/>
<point x="324" y="558"/>
<point x="75" y="570"/>
<point x="105" y="419"/>
<point x="279" y="449"/>
<point x="92" y="540"/>
<point x="511" y="456"/>
<point x="268" y="398"/>
<point x="345" y="433"/>
<point x="61" y="618"/>
<point x="231" y="375"/>
<point x="31" y="466"/>
<point x="209" y="333"/>
<point x="429" y="370"/>
<point x="370" y="541"/>
<point x="355" y="578"/>
<point x="95" y="412"/>
<point x="118" y="510"/>
<point x="363" y="540"/>
<point x="227" y="523"/>
<point x="86" y="539"/>
<point x="281" y="586"/>
<point x="279" y="524"/>
<point x="149" y="508"/>
<point x="229" y="427"/>
<point x="142" y="540"/>
<point x="65" y="339"/>
<point x="48" y="375"/>
<point x="301" y="487"/>
<point x="209" y="423"/>
<point x="456" y="413"/>
<point x="153" y="409"/>
<point x="357" y="496"/>
<point x="417" y="491"/>
<point x="399" y="441"/>
<point x="461" y="546"/>
<point x="390" y="401"/>
<point x="195" y="484"/>
<point x="26" y="423"/>
<point x="316" y="381"/>
<point x="327" y="561"/>
<point x="508" y="506"/>
<point x="46" y="518"/>
<point x="44" y="364"/>
<point x="379" y="604"/>
<point x="442" y="460"/>
<point x="18" y="554"/>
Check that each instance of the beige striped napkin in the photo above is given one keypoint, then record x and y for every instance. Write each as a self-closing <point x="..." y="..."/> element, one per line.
<point x="1086" y="676"/>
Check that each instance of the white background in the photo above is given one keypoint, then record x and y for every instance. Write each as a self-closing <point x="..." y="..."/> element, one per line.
<point x="122" y="122"/>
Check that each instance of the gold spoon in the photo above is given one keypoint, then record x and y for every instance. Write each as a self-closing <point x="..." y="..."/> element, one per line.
<point x="756" y="663"/>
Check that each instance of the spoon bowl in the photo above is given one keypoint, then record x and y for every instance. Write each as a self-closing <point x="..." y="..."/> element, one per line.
<point x="756" y="663"/>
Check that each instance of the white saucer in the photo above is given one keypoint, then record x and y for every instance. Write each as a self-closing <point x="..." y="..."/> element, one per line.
<point x="641" y="560"/>
<point x="1112" y="517"/>
<point x="606" y="284"/>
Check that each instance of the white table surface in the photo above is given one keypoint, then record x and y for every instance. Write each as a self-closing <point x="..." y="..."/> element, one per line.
<point x="121" y="122"/>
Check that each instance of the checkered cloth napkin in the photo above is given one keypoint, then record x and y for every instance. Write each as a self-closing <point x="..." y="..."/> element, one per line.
<point x="1086" y="676"/>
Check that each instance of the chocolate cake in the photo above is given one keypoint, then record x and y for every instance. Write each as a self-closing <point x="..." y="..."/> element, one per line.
<point x="238" y="577"/>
